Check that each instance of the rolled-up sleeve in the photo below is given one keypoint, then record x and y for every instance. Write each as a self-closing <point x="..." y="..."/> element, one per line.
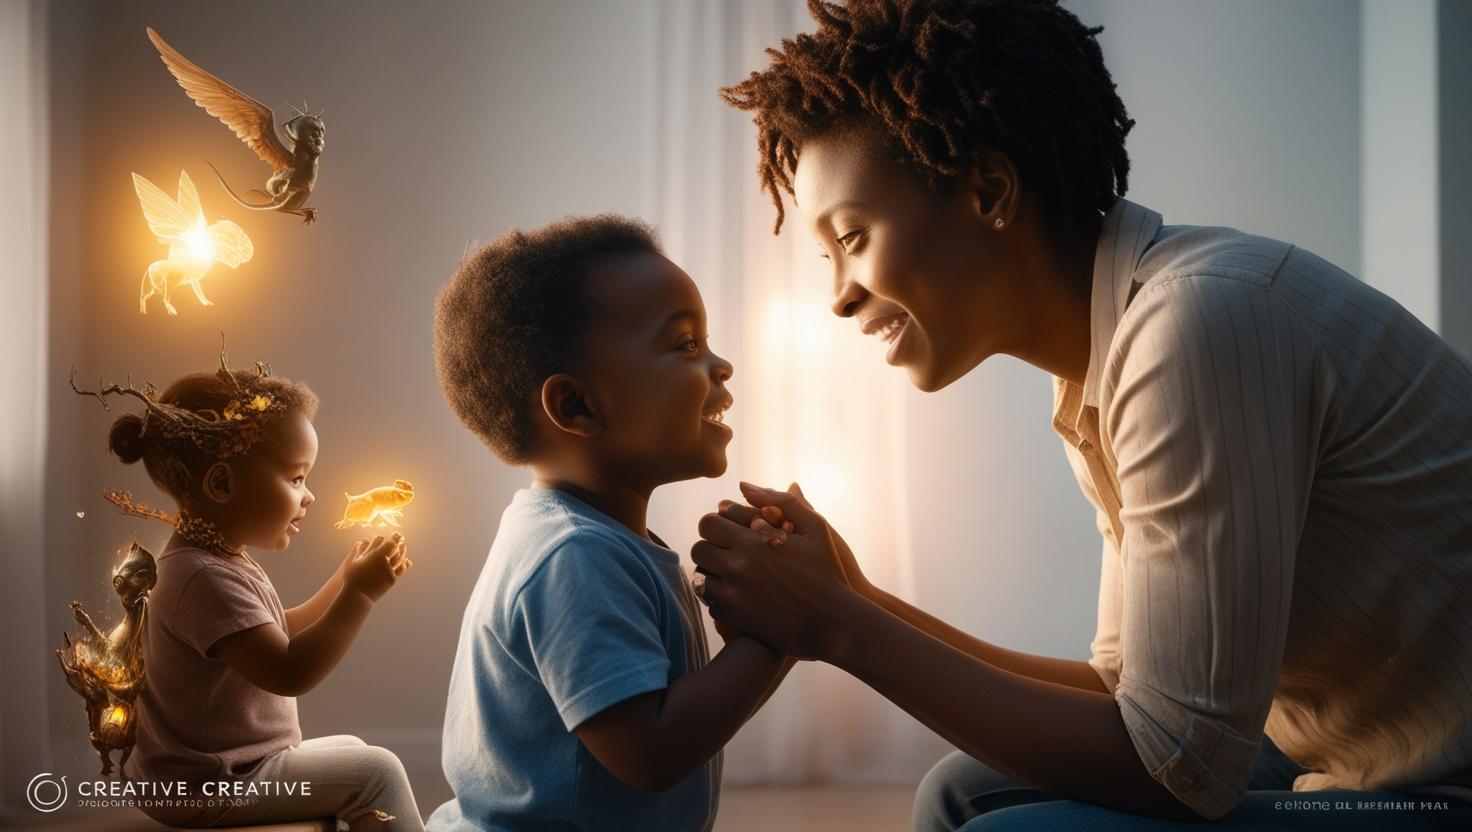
<point x="1212" y="410"/>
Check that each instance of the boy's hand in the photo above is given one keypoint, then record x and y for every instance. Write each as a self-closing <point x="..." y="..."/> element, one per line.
<point x="373" y="570"/>
<point x="770" y="520"/>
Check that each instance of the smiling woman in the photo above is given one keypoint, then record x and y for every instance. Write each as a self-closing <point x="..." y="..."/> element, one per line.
<point x="1221" y="398"/>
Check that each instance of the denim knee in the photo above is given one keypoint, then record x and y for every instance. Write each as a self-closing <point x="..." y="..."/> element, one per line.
<point x="955" y="790"/>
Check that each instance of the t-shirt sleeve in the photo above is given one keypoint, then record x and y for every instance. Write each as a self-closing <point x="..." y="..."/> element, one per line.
<point x="589" y="616"/>
<point x="1214" y="422"/>
<point x="215" y="603"/>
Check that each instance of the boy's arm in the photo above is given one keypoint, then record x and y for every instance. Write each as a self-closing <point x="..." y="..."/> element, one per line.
<point x="655" y="740"/>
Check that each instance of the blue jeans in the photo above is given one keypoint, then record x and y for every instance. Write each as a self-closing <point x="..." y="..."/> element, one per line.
<point x="963" y="795"/>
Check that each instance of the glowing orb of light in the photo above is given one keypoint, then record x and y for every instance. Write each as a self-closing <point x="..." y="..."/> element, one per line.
<point x="201" y="247"/>
<point x="823" y="483"/>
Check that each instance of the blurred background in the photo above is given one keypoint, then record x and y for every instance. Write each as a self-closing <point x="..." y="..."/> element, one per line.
<point x="1334" y="124"/>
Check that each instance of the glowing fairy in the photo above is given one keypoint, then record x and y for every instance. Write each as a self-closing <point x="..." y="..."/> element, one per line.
<point x="194" y="245"/>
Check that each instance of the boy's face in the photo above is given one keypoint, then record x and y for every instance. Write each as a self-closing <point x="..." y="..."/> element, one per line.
<point x="655" y="385"/>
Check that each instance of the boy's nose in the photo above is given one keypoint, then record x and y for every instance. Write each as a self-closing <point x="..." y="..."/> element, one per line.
<point x="721" y="369"/>
<point x="308" y="497"/>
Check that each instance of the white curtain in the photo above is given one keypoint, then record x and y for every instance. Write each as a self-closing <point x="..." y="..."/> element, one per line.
<point x="814" y="401"/>
<point x="24" y="168"/>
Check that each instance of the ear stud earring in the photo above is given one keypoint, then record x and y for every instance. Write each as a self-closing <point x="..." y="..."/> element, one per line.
<point x="999" y="223"/>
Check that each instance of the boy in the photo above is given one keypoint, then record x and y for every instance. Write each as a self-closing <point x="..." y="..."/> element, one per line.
<point x="581" y="696"/>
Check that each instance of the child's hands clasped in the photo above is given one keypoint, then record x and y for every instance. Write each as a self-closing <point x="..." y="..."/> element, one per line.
<point x="373" y="567"/>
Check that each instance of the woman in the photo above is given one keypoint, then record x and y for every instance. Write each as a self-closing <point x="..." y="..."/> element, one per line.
<point x="1280" y="456"/>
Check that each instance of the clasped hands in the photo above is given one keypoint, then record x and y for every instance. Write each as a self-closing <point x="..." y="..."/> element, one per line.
<point x="774" y="570"/>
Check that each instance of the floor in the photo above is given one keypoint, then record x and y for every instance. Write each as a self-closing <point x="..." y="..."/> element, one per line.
<point x="743" y="809"/>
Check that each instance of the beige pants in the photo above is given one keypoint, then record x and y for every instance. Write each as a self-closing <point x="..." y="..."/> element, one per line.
<point x="349" y="780"/>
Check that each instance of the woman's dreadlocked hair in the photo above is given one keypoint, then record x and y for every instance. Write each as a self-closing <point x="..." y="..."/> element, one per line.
<point x="946" y="80"/>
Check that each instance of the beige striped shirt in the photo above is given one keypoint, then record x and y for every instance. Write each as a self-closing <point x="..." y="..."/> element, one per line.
<point x="1281" y="460"/>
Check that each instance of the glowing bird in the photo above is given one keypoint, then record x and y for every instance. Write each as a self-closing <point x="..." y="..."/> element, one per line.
<point x="385" y="504"/>
<point x="194" y="245"/>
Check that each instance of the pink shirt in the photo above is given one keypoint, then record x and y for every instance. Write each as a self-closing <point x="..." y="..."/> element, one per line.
<point x="198" y="719"/>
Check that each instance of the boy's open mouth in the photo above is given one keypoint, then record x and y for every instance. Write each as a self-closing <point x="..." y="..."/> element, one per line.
<point x="717" y="415"/>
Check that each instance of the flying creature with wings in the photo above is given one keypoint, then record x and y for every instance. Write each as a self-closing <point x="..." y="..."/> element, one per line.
<point x="293" y="161"/>
<point x="194" y="245"/>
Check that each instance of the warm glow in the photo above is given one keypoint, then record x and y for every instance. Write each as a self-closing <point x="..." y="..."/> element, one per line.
<point x="194" y="245"/>
<point x="823" y="483"/>
<point x="378" y="506"/>
<point x="197" y="239"/>
<point x="116" y="715"/>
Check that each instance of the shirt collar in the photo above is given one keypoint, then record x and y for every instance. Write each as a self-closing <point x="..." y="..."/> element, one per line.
<point x="1124" y="236"/>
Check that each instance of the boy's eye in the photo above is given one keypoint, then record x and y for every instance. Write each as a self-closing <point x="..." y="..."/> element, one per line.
<point x="298" y="480"/>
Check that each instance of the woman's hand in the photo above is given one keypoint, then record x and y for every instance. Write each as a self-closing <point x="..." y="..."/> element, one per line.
<point x="767" y="516"/>
<point x="373" y="569"/>
<point x="791" y="596"/>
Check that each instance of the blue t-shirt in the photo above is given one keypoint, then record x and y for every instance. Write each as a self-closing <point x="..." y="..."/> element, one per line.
<point x="572" y="613"/>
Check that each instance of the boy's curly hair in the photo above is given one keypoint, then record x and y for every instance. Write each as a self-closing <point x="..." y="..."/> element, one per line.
<point x="511" y="316"/>
<point x="945" y="80"/>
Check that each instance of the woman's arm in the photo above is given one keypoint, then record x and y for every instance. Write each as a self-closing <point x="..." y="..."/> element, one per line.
<point x="654" y="741"/>
<point x="1068" y="672"/>
<point x="1067" y="739"/>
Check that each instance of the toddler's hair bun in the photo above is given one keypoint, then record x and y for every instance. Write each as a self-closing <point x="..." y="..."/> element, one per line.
<point x="126" y="438"/>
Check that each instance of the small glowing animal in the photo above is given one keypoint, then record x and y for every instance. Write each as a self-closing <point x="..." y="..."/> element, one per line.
<point x="194" y="246"/>
<point x="379" y="504"/>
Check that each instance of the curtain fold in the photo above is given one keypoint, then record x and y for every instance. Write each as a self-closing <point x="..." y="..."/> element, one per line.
<point x="815" y="402"/>
<point x="25" y="168"/>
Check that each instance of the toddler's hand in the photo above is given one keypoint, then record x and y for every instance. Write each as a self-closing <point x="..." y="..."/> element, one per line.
<point x="373" y="571"/>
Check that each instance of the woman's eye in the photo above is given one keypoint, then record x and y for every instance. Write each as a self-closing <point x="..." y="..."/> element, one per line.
<point x="689" y="346"/>
<point x="849" y="238"/>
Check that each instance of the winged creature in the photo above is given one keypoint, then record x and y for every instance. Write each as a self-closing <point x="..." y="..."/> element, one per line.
<point x="194" y="245"/>
<point x="293" y="161"/>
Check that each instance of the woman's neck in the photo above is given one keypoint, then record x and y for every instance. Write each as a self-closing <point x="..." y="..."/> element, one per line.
<point x="1060" y="281"/>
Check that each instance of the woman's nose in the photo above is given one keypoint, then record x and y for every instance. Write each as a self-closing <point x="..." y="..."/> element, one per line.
<point x="846" y="302"/>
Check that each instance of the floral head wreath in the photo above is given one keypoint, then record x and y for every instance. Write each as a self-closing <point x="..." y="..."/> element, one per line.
<point x="218" y="434"/>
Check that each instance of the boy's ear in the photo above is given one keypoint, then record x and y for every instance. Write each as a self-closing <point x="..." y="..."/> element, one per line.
<point x="993" y="188"/>
<point x="567" y="406"/>
<point x="219" y="482"/>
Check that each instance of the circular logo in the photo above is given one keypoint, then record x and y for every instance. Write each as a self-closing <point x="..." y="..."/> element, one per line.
<point x="45" y="793"/>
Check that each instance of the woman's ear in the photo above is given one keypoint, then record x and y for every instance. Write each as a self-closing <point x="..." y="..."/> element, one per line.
<point x="567" y="405"/>
<point x="219" y="482"/>
<point x="994" y="190"/>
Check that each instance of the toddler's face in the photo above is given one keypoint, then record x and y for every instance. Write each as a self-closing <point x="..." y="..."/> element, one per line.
<point x="658" y="389"/>
<point x="270" y="495"/>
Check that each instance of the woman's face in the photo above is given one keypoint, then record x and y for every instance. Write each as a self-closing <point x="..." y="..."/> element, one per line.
<point x="928" y="273"/>
<point x="268" y="491"/>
